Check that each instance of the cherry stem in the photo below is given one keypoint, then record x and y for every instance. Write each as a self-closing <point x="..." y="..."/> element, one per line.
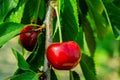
<point x="53" y="5"/>
<point x="58" y="21"/>
<point x="41" y="28"/>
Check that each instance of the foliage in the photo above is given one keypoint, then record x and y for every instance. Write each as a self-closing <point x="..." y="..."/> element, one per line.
<point x="82" y="21"/>
<point x="7" y="32"/>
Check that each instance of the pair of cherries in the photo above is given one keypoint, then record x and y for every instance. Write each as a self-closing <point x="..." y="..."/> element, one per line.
<point x="62" y="56"/>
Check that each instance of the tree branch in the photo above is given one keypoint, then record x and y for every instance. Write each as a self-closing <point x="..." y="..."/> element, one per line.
<point x="48" y="22"/>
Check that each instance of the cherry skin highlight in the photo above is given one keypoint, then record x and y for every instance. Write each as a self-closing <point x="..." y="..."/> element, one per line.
<point x="63" y="56"/>
<point x="28" y="37"/>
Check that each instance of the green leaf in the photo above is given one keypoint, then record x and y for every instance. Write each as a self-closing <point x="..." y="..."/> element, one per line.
<point x="61" y="7"/>
<point x="89" y="36"/>
<point x="69" y="22"/>
<point x="53" y="75"/>
<point x="26" y="76"/>
<point x="79" y="38"/>
<point x="22" y="64"/>
<point x="8" y="31"/>
<point x="95" y="10"/>
<point x="86" y="65"/>
<point x="74" y="75"/>
<point x="16" y="12"/>
<point x="36" y="59"/>
<point x="83" y="7"/>
<point x="90" y="62"/>
<point x="5" y="7"/>
<point x="20" y="3"/>
<point x="117" y="3"/>
<point x="114" y="16"/>
<point x="42" y="10"/>
<point x="29" y="11"/>
<point x="32" y="10"/>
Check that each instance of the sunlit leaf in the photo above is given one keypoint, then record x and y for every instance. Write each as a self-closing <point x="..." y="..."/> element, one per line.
<point x="5" y="7"/>
<point x="22" y="64"/>
<point x="8" y="31"/>
<point x="16" y="12"/>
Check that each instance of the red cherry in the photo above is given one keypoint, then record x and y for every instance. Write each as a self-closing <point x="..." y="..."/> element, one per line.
<point x="28" y="38"/>
<point x="63" y="56"/>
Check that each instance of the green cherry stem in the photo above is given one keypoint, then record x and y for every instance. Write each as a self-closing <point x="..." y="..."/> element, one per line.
<point x="58" y="21"/>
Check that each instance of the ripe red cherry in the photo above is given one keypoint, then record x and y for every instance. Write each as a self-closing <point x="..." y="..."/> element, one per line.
<point x="63" y="56"/>
<point x="28" y="38"/>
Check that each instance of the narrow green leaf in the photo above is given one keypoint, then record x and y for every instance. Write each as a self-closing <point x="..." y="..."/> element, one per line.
<point x="79" y="38"/>
<point x="89" y="36"/>
<point x="42" y="10"/>
<point x="20" y="3"/>
<point x="53" y="75"/>
<point x="8" y="31"/>
<point x="31" y="11"/>
<point x="5" y="7"/>
<point x="114" y="16"/>
<point x="61" y="7"/>
<point x="22" y="64"/>
<point x="74" y="75"/>
<point x="16" y="12"/>
<point x="69" y="22"/>
<point x="83" y="7"/>
<point x="86" y="69"/>
<point x="90" y="63"/>
<point x="36" y="59"/>
<point x="95" y="10"/>
<point x="26" y="76"/>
